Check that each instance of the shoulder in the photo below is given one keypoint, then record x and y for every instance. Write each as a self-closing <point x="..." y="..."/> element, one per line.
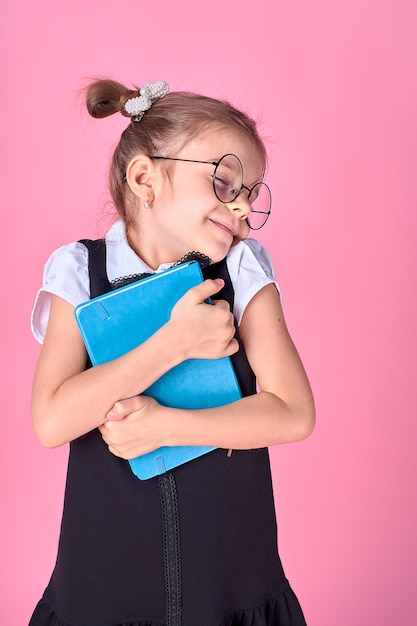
<point x="250" y="255"/>
<point x="65" y="275"/>
<point x="66" y="272"/>
<point x="250" y="268"/>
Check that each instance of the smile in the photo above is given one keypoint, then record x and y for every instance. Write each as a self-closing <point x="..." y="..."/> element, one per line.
<point x="224" y="227"/>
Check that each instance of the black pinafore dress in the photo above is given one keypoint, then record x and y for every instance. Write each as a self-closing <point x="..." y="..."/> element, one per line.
<point x="195" y="547"/>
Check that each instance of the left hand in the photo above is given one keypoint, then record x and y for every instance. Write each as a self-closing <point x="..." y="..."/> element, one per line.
<point x="135" y="426"/>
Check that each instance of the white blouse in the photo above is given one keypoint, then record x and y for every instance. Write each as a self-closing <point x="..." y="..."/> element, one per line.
<point x="66" y="273"/>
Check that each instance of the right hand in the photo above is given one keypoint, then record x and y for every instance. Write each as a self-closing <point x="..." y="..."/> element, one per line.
<point x="206" y="331"/>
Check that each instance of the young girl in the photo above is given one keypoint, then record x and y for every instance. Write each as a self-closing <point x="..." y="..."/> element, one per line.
<point x="198" y="545"/>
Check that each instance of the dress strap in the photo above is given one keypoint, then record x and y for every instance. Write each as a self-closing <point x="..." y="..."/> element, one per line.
<point x="219" y="270"/>
<point x="99" y="282"/>
<point x="244" y="372"/>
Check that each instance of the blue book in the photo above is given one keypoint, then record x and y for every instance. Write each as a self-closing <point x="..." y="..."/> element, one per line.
<point x="118" y="321"/>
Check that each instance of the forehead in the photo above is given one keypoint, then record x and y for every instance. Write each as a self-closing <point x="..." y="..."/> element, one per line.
<point x="217" y="142"/>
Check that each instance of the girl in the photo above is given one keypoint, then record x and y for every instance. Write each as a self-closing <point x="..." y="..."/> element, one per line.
<point x="196" y="546"/>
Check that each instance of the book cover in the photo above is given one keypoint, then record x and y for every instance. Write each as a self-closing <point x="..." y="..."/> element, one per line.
<point x="120" y="320"/>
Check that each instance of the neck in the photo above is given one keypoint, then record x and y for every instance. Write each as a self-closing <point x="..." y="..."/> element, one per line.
<point x="156" y="257"/>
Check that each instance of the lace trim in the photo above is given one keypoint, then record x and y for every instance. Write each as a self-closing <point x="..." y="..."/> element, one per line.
<point x="172" y="548"/>
<point x="122" y="281"/>
<point x="199" y="257"/>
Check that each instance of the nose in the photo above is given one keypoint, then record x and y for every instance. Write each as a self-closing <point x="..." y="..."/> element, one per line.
<point x="241" y="205"/>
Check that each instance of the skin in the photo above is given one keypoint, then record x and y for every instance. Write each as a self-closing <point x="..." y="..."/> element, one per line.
<point x="69" y="401"/>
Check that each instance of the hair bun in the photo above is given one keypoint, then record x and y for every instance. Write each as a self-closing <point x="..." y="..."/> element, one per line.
<point x="106" y="97"/>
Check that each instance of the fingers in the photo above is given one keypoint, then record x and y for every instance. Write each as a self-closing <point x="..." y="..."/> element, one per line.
<point x="204" y="290"/>
<point x="138" y="432"/>
<point x="231" y="348"/>
<point x="204" y="330"/>
<point x="123" y="408"/>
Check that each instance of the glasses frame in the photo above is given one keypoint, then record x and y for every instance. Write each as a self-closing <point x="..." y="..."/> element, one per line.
<point x="238" y="192"/>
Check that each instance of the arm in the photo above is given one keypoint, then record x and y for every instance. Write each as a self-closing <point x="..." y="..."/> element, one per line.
<point x="68" y="401"/>
<point x="283" y="410"/>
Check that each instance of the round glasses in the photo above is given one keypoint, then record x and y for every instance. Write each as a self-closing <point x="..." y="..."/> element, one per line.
<point x="227" y="182"/>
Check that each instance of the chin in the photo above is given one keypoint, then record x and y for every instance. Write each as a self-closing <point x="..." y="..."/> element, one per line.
<point x="219" y="254"/>
<point x="217" y="251"/>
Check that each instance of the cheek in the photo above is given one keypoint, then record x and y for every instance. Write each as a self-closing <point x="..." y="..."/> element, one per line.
<point x="244" y="231"/>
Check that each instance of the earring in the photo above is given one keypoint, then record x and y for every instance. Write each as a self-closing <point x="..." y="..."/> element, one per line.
<point x="147" y="205"/>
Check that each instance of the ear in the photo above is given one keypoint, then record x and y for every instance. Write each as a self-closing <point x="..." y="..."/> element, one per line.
<point x="140" y="176"/>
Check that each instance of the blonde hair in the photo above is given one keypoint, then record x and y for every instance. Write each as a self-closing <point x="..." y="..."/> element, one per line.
<point x="165" y="128"/>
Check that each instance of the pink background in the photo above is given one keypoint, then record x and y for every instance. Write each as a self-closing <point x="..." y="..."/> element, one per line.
<point x="334" y="84"/>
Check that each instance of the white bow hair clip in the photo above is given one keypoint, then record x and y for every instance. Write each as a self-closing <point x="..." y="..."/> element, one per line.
<point x="136" y="107"/>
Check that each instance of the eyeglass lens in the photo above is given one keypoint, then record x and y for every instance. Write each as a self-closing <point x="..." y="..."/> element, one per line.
<point x="227" y="183"/>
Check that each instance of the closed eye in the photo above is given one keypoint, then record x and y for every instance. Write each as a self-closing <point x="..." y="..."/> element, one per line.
<point x="224" y="188"/>
<point x="222" y="181"/>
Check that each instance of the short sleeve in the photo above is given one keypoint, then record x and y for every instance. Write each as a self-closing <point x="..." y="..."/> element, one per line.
<point x="65" y="275"/>
<point x="250" y="268"/>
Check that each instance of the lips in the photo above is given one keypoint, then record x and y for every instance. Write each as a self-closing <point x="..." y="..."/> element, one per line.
<point x="224" y="226"/>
